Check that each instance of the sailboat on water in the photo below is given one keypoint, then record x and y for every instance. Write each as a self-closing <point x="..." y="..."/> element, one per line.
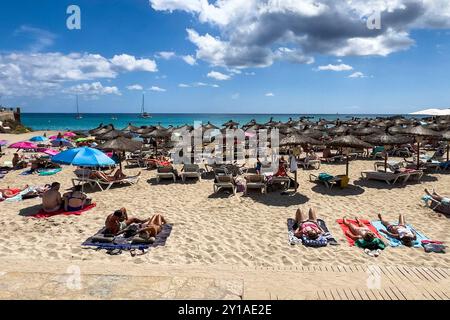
<point x="143" y="113"/>
<point x="79" y="116"/>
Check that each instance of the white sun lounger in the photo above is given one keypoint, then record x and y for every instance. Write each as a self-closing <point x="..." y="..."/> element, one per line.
<point x="191" y="171"/>
<point x="224" y="181"/>
<point x="106" y="185"/>
<point x="388" y="177"/>
<point x="255" y="181"/>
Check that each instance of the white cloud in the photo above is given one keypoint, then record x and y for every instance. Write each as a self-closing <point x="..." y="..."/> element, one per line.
<point x="337" y="68"/>
<point x="197" y="84"/>
<point x="95" y="89"/>
<point x="183" y="85"/>
<point x="270" y="94"/>
<point x="167" y="55"/>
<point x="40" y="39"/>
<point x="157" y="89"/>
<point x="135" y="87"/>
<point x="218" y="76"/>
<point x="249" y="33"/>
<point x="190" y="60"/>
<point x="357" y="74"/>
<point x="130" y="63"/>
<point x="41" y="74"/>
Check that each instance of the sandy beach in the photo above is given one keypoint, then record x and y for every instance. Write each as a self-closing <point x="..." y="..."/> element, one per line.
<point x="219" y="230"/>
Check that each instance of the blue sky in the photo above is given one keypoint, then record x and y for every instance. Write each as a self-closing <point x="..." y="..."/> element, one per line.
<point x="295" y="65"/>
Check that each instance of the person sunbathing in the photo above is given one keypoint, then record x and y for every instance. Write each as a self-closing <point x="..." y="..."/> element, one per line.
<point x="75" y="200"/>
<point x="400" y="231"/>
<point x="435" y="196"/>
<point x="118" y="222"/>
<point x="151" y="228"/>
<point x="10" y="193"/>
<point x="360" y="231"/>
<point x="282" y="165"/>
<point x="307" y="226"/>
<point x="118" y="175"/>
<point x="51" y="199"/>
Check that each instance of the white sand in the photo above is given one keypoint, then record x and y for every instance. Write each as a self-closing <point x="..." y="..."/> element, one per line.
<point x="221" y="230"/>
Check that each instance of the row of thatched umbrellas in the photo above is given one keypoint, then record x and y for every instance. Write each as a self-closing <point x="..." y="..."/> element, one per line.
<point x="355" y="133"/>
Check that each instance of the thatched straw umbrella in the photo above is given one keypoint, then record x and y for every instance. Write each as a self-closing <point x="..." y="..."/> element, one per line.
<point x="419" y="132"/>
<point x="121" y="144"/>
<point x="384" y="139"/>
<point x="130" y="128"/>
<point x="157" y="134"/>
<point x="296" y="140"/>
<point x="348" y="142"/>
<point x="113" y="134"/>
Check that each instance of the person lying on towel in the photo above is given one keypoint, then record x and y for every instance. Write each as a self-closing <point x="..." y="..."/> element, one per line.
<point x="51" y="199"/>
<point x="400" y="231"/>
<point x="118" y="175"/>
<point x="119" y="223"/>
<point x="307" y="226"/>
<point x="435" y="196"/>
<point x="363" y="236"/>
<point x="75" y="200"/>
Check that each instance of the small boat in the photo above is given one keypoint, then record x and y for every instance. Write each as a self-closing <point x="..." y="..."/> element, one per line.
<point x="79" y="116"/>
<point x="144" y="114"/>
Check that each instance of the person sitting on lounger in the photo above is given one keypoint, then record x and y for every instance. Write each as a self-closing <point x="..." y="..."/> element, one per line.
<point x="326" y="153"/>
<point x="75" y="200"/>
<point x="307" y="226"/>
<point x="51" y="199"/>
<point x="435" y="196"/>
<point x="282" y="165"/>
<point x="400" y="231"/>
<point x="118" y="175"/>
<point x="118" y="222"/>
<point x="360" y="231"/>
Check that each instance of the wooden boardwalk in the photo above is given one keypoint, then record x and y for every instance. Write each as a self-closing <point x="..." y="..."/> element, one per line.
<point x="25" y="280"/>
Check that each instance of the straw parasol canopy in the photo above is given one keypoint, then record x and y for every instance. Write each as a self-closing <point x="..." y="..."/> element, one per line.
<point x="367" y="131"/>
<point x="385" y="139"/>
<point x="230" y="123"/>
<point x="316" y="134"/>
<point x="348" y="141"/>
<point x="101" y="130"/>
<point x="338" y="130"/>
<point x="297" y="139"/>
<point x="113" y="134"/>
<point x="121" y="144"/>
<point x="209" y="126"/>
<point x="130" y="128"/>
<point x="396" y="130"/>
<point x="419" y="132"/>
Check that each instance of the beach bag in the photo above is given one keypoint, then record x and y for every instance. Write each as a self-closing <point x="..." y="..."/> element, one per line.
<point x="372" y="245"/>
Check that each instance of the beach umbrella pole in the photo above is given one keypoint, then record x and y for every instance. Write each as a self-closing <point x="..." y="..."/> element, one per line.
<point x="418" y="155"/>
<point x="448" y="151"/>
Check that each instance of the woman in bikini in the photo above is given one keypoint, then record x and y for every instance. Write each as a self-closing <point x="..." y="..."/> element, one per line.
<point x="400" y="231"/>
<point x="151" y="228"/>
<point x="360" y="231"/>
<point x="118" y="175"/>
<point x="307" y="226"/>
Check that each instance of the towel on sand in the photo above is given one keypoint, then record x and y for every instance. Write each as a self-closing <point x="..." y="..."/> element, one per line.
<point x="102" y="241"/>
<point x="49" y="172"/>
<point x="394" y="242"/>
<point x="344" y="228"/>
<point x="294" y="240"/>
<point x="42" y="214"/>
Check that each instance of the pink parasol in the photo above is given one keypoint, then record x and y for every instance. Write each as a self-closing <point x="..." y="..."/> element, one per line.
<point x="23" y="145"/>
<point x="69" y="134"/>
<point x="53" y="138"/>
<point x="50" y="152"/>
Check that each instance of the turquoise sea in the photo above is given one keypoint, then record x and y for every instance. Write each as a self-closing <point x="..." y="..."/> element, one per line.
<point x="65" y="121"/>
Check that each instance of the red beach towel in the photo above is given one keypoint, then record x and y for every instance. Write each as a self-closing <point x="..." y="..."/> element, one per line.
<point x="344" y="228"/>
<point x="42" y="214"/>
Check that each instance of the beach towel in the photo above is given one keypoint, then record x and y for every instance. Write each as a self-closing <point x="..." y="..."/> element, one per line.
<point x="100" y="241"/>
<point x="329" y="239"/>
<point x="42" y="214"/>
<point x="325" y="177"/>
<point x="26" y="172"/>
<point x="344" y="228"/>
<point x="394" y="242"/>
<point x="49" y="172"/>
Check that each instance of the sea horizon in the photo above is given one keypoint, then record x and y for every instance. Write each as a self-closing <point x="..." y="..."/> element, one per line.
<point x="68" y="121"/>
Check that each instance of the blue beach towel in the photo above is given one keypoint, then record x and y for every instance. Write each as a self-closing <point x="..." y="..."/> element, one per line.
<point x="122" y="243"/>
<point x="49" y="172"/>
<point x="396" y="243"/>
